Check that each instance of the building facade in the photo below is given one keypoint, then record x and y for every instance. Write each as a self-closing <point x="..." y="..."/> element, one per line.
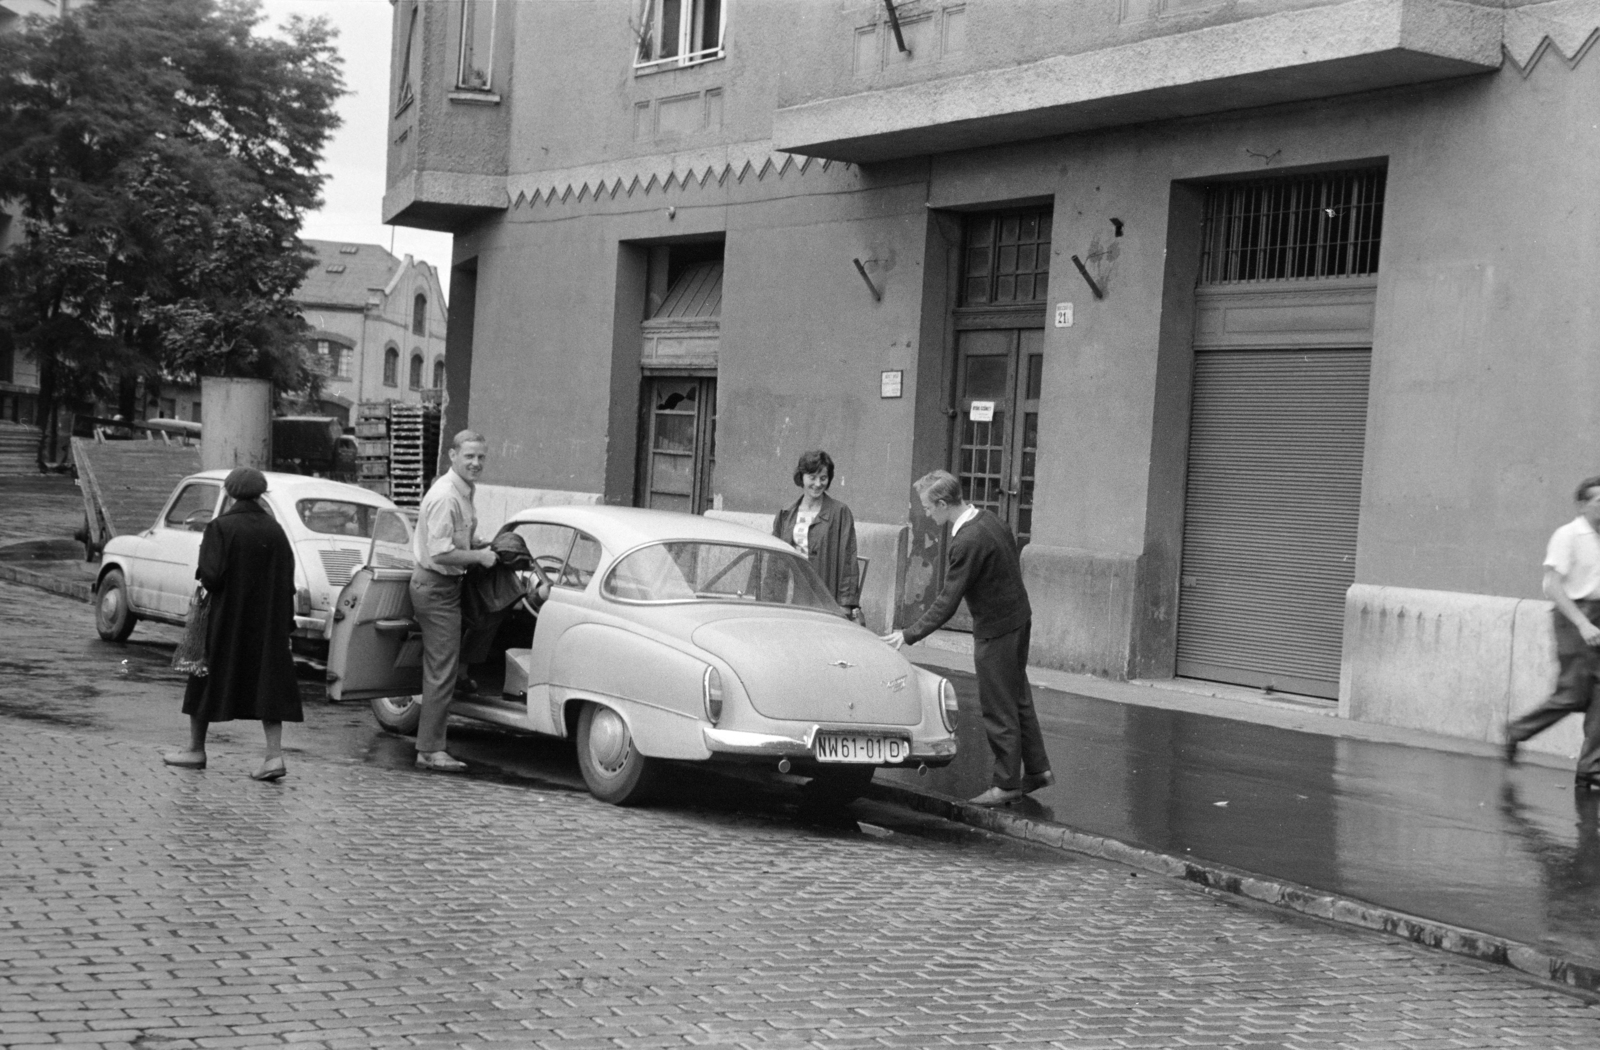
<point x="19" y="374"/>
<point x="377" y="326"/>
<point x="1267" y="324"/>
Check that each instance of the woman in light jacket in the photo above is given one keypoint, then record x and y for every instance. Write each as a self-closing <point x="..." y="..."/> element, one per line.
<point x="824" y="530"/>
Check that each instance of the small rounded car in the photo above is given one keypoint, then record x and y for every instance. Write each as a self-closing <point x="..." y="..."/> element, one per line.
<point x="331" y="525"/>
<point x="666" y="637"/>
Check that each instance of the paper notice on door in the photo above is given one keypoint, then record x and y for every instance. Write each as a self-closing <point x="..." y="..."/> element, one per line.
<point x="981" y="412"/>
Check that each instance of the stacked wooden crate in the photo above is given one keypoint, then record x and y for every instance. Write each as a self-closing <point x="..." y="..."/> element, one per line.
<point x="409" y="453"/>
<point x="372" y="446"/>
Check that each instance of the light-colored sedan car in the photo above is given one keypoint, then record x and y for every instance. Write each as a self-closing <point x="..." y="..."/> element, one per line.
<point x="150" y="575"/>
<point x="666" y="637"/>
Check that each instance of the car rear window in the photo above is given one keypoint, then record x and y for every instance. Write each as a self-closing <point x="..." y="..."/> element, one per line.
<point x="687" y="571"/>
<point x="337" y="517"/>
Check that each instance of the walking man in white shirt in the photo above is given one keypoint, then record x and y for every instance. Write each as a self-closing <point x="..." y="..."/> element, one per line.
<point x="445" y="545"/>
<point x="1572" y="582"/>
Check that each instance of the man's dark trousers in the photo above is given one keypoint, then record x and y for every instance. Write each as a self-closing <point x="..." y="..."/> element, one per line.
<point x="1577" y="690"/>
<point x="1006" y="697"/>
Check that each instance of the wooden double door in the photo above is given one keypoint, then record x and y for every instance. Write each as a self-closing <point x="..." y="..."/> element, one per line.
<point x="999" y="373"/>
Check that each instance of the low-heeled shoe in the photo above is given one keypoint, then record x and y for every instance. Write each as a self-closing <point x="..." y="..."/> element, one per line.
<point x="1032" y="782"/>
<point x="185" y="759"/>
<point x="271" y="769"/>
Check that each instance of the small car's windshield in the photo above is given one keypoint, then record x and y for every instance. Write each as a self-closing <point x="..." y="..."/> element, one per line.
<point x="336" y="517"/>
<point x="686" y="571"/>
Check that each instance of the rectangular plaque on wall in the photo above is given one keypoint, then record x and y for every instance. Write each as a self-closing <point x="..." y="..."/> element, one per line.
<point x="889" y="384"/>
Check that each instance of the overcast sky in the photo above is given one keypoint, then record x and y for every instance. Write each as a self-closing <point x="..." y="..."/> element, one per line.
<point x="352" y="209"/>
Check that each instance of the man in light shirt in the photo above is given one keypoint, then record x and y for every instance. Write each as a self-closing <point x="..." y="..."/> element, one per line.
<point x="445" y="546"/>
<point x="1572" y="582"/>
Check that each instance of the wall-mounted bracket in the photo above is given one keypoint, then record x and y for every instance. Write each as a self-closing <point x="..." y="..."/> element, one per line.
<point x="894" y="24"/>
<point x="1095" y="288"/>
<point x="877" y="296"/>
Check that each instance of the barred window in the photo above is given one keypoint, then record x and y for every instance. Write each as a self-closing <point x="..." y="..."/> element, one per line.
<point x="1324" y="225"/>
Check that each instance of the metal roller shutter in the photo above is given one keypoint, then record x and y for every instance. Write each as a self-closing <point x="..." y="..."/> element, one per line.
<point x="1272" y="506"/>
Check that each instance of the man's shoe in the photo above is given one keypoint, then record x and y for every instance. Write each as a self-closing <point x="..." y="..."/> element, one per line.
<point x="996" y="796"/>
<point x="1587" y="781"/>
<point x="1032" y="782"/>
<point x="185" y="759"/>
<point x="439" y="762"/>
<point x="466" y="686"/>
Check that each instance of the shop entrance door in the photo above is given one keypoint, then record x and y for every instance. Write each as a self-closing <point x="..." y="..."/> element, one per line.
<point x="999" y="372"/>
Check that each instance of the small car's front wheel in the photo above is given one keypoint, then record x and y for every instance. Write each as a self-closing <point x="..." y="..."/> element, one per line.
<point x="612" y="766"/>
<point x="113" y="616"/>
<point x="398" y="714"/>
<point x="837" y="785"/>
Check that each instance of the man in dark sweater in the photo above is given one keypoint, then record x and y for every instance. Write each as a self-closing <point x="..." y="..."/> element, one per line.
<point x="985" y="570"/>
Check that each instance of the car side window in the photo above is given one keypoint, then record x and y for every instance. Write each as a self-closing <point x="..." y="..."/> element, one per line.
<point x="582" y="562"/>
<point x="193" y="506"/>
<point x="548" y="544"/>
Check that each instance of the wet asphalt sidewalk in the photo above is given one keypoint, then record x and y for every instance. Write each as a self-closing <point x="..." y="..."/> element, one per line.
<point x="1429" y="837"/>
<point x="1433" y="838"/>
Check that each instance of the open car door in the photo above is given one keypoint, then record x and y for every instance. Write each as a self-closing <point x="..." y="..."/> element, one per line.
<point x="374" y="644"/>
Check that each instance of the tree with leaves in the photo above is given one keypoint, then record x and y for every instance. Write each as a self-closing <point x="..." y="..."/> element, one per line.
<point x="162" y="154"/>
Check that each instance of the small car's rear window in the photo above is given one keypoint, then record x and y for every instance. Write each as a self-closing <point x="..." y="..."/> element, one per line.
<point x="687" y="571"/>
<point x="337" y="517"/>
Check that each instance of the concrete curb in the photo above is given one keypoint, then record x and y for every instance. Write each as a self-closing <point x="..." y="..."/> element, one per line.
<point x="1534" y="961"/>
<point x="45" y="582"/>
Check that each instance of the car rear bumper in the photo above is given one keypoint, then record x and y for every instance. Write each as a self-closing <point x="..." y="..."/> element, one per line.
<point x="937" y="750"/>
<point x="311" y="626"/>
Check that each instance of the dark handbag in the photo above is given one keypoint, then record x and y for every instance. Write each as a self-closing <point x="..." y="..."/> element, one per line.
<point x="190" y="657"/>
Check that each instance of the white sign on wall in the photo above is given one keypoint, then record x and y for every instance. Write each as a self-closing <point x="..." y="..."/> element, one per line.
<point x="981" y="412"/>
<point x="889" y="384"/>
<point x="1063" y="315"/>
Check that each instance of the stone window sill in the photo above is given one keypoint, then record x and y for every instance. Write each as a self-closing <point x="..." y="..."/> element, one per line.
<point x="475" y="98"/>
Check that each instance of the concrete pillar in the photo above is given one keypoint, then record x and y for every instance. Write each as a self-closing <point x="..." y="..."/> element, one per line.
<point x="238" y="423"/>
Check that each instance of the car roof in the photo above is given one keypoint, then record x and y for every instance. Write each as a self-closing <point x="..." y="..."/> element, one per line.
<point x="302" y="486"/>
<point x="625" y="527"/>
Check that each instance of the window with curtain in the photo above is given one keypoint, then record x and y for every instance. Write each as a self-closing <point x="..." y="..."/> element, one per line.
<point x="477" y="45"/>
<point x="678" y="33"/>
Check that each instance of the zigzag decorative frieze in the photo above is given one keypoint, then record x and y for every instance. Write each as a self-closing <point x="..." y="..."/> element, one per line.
<point x="659" y="174"/>
<point x="1567" y="27"/>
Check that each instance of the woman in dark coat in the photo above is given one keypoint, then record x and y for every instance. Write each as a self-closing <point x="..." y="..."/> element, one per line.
<point x="247" y="566"/>
<point x="824" y="530"/>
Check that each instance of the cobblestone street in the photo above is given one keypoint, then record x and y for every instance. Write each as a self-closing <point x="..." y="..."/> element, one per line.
<point x="354" y="906"/>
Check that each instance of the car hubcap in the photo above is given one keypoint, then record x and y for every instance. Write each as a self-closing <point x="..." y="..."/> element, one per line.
<point x="396" y="706"/>
<point x="110" y="605"/>
<point x="609" y="745"/>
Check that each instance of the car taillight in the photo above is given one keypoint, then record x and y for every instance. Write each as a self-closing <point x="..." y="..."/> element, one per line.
<point x="947" y="704"/>
<point x="711" y="687"/>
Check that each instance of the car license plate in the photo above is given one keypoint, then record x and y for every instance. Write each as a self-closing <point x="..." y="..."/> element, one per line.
<point x="860" y="747"/>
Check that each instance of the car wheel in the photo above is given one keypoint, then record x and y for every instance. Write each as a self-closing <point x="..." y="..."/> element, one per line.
<point x="837" y="785"/>
<point x="113" y="616"/>
<point x="398" y="714"/>
<point x="612" y="766"/>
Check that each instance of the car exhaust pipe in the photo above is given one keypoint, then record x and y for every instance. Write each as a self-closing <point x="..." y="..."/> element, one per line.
<point x="922" y="769"/>
<point x="783" y="765"/>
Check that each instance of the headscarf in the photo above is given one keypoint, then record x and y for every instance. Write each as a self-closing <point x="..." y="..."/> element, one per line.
<point x="245" y="483"/>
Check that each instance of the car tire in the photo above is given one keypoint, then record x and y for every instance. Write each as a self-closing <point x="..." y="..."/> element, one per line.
<point x="612" y="766"/>
<point x="113" y="616"/>
<point x="837" y="785"/>
<point x="399" y="715"/>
